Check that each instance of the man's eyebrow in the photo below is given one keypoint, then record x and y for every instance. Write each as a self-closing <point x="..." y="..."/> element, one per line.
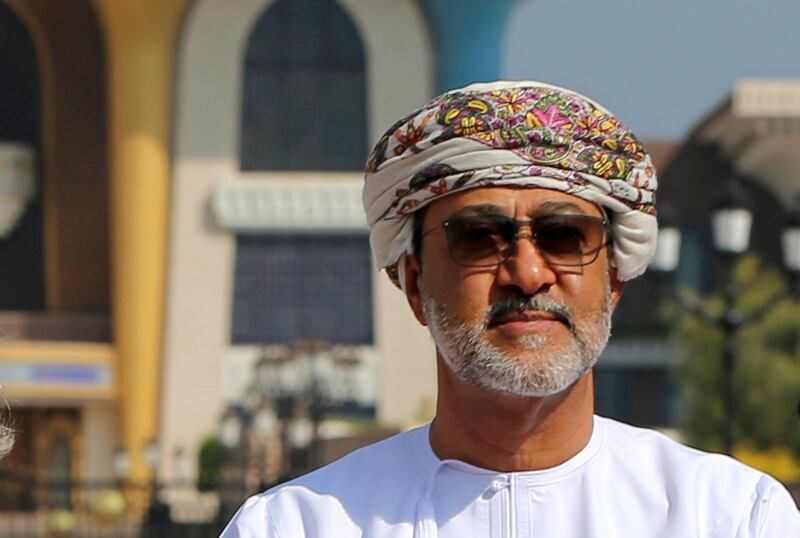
<point x="551" y="206"/>
<point x="561" y="207"/>
<point x="482" y="209"/>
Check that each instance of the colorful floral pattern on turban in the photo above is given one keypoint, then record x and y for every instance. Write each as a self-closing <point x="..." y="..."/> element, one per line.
<point x="511" y="134"/>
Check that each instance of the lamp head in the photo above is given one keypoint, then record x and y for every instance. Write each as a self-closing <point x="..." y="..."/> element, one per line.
<point x="731" y="219"/>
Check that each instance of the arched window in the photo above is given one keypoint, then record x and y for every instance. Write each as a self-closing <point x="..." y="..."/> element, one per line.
<point x="22" y="250"/>
<point x="304" y="93"/>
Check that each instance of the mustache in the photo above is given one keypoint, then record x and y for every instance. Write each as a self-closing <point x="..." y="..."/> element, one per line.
<point x="521" y="303"/>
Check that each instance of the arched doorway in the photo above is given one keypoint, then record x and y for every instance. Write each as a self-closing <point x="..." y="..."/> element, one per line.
<point x="54" y="263"/>
<point x="22" y="249"/>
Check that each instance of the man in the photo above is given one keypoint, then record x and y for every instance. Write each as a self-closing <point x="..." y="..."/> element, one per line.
<point x="6" y="439"/>
<point x="6" y="431"/>
<point x="511" y="214"/>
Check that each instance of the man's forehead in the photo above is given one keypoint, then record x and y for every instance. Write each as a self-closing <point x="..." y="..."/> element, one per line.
<point x="511" y="200"/>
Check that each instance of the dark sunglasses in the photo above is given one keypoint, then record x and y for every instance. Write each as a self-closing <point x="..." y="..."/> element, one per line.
<point x="489" y="240"/>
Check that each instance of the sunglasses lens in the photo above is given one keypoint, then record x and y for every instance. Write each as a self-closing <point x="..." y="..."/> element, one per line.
<point x="569" y="240"/>
<point x="486" y="241"/>
<point x="479" y="241"/>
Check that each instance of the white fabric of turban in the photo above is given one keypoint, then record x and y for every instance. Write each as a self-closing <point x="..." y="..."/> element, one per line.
<point x="527" y="134"/>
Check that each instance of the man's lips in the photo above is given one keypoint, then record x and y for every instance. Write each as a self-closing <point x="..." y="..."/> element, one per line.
<point x="527" y="317"/>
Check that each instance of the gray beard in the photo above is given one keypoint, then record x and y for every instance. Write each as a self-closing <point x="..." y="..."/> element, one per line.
<point x="545" y="370"/>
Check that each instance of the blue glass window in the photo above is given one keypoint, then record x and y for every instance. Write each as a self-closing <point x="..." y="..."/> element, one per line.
<point x="291" y="288"/>
<point x="305" y="99"/>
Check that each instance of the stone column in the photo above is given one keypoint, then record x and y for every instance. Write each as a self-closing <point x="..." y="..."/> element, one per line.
<point x="141" y="39"/>
<point x="468" y="39"/>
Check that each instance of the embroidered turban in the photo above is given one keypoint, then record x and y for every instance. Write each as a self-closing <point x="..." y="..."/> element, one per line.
<point x="526" y="134"/>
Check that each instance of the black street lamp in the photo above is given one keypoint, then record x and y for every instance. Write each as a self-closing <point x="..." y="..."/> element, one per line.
<point x="158" y="521"/>
<point x="121" y="465"/>
<point x="731" y="221"/>
<point x="232" y="485"/>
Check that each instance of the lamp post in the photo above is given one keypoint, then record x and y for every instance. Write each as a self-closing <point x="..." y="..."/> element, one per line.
<point x="159" y="520"/>
<point x="230" y="431"/>
<point x="731" y="222"/>
<point x="265" y="426"/>
<point x="232" y="479"/>
<point x="233" y="437"/>
<point x="181" y="467"/>
<point x="150" y="454"/>
<point x="122" y="466"/>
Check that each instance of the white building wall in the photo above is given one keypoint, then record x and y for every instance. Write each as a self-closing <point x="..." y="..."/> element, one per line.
<point x="400" y="78"/>
<point x="201" y="260"/>
<point x="198" y="302"/>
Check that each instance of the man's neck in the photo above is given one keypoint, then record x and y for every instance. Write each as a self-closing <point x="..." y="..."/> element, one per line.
<point x="509" y="433"/>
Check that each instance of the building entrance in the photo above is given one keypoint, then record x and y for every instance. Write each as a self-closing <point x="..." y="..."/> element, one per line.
<point x="47" y="452"/>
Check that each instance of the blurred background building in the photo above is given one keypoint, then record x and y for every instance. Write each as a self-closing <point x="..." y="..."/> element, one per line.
<point x="186" y="187"/>
<point x="180" y="196"/>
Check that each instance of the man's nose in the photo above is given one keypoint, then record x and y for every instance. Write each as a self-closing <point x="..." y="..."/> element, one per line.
<point x="526" y="268"/>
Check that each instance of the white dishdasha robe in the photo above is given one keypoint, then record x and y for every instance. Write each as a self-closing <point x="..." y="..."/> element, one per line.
<point x="627" y="482"/>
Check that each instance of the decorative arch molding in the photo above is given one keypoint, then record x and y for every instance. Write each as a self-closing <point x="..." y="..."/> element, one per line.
<point x="41" y="41"/>
<point x="212" y="48"/>
<point x="206" y="152"/>
<point x="399" y="78"/>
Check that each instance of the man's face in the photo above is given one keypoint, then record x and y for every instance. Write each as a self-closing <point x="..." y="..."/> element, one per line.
<point x="525" y="327"/>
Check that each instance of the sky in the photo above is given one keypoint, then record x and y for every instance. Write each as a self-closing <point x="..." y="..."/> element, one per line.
<point x="661" y="66"/>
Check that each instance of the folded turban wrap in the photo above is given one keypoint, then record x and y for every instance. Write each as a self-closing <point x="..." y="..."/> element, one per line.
<point x="519" y="134"/>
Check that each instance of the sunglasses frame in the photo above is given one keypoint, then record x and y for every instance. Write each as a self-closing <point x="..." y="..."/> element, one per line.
<point x="505" y="254"/>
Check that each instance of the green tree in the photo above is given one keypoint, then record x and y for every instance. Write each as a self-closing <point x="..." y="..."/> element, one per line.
<point x="211" y="458"/>
<point x="767" y="374"/>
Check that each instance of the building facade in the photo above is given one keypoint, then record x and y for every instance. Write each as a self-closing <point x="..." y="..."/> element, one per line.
<point x="181" y="184"/>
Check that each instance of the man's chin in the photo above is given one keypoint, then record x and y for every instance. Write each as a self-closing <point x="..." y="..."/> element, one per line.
<point x="524" y="342"/>
<point x="542" y="387"/>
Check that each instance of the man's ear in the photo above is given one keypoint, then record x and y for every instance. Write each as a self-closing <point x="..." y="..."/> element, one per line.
<point x="617" y="287"/>
<point x="411" y="286"/>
